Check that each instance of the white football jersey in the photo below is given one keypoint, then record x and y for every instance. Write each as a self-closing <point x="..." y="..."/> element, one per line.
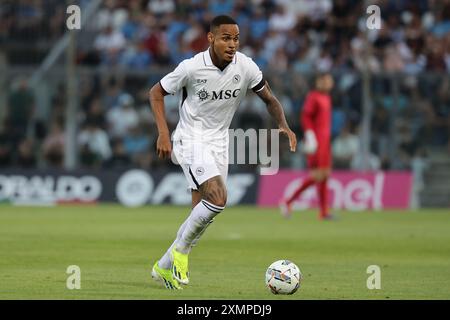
<point x="210" y="96"/>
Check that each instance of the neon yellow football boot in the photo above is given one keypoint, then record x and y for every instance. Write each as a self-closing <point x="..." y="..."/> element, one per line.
<point x="180" y="269"/>
<point x="165" y="276"/>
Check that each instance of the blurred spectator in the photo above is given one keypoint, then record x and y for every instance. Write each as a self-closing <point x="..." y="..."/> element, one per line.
<point x="419" y="164"/>
<point x="136" y="57"/>
<point x="21" y="108"/>
<point x="217" y="7"/>
<point x="109" y="44"/>
<point x="53" y="146"/>
<point x="259" y="24"/>
<point x="136" y="142"/>
<point x="392" y="60"/>
<point x="359" y="162"/>
<point x="279" y="63"/>
<point x="26" y="156"/>
<point x="380" y="131"/>
<point x="111" y="15"/>
<point x="345" y="148"/>
<point x="282" y="20"/>
<point x="94" y="145"/>
<point x="112" y="93"/>
<point x="324" y="63"/>
<point x="96" y="113"/>
<point x="161" y="7"/>
<point x="195" y="37"/>
<point x="119" y="158"/>
<point x="122" y="118"/>
<point x="6" y="144"/>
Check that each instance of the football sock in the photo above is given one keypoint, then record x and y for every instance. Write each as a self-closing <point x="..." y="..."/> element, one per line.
<point x="199" y="235"/>
<point x="306" y="183"/>
<point x="323" y="198"/>
<point x="200" y="218"/>
<point x="166" y="262"/>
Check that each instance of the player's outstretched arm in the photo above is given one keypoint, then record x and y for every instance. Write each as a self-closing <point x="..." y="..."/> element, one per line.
<point x="276" y="111"/>
<point x="163" y="145"/>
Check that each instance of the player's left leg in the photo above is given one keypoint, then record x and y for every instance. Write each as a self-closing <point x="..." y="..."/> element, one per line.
<point x="321" y="176"/>
<point x="221" y="159"/>
<point x="213" y="193"/>
<point x="205" y="172"/>
<point x="166" y="260"/>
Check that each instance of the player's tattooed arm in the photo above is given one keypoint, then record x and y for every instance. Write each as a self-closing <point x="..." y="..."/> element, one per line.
<point x="156" y="97"/>
<point x="276" y="111"/>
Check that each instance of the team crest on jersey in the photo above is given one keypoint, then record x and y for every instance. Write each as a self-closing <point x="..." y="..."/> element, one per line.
<point x="236" y="78"/>
<point x="203" y="94"/>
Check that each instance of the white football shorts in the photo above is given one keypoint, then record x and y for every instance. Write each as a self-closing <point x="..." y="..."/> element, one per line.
<point x="200" y="161"/>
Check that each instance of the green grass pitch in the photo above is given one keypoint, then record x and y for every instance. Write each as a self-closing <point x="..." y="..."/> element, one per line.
<point x="115" y="248"/>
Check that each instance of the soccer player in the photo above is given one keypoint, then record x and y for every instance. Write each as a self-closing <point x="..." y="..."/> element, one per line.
<point x="213" y="83"/>
<point x="316" y="122"/>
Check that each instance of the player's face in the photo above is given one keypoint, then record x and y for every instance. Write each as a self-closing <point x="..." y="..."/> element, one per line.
<point x="225" y="41"/>
<point x="325" y="83"/>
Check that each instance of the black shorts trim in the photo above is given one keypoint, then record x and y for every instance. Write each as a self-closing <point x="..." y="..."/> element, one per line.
<point x="193" y="179"/>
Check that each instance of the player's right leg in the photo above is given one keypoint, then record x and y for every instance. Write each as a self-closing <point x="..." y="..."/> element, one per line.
<point x="285" y="204"/>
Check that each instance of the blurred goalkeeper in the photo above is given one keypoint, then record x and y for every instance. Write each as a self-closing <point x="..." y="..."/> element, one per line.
<point x="316" y="122"/>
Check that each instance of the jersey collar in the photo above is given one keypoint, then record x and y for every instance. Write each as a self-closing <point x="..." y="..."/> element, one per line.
<point x="208" y="61"/>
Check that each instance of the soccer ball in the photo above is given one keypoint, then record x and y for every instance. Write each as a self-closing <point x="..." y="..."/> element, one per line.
<point x="283" y="277"/>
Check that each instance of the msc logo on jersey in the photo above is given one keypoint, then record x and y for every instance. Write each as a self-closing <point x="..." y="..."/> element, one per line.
<point x="225" y="94"/>
<point x="218" y="95"/>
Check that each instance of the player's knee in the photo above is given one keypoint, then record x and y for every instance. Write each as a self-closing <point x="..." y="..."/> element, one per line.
<point x="215" y="192"/>
<point x="320" y="177"/>
<point x="317" y="176"/>
<point x="217" y="197"/>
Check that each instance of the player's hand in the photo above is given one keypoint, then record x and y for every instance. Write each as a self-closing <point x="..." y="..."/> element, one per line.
<point x="292" y="138"/>
<point x="163" y="146"/>
<point x="310" y="142"/>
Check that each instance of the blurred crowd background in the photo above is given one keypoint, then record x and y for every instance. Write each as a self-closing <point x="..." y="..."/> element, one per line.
<point x="129" y="45"/>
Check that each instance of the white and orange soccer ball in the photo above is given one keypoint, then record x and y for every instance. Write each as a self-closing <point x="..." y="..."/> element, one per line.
<point x="283" y="277"/>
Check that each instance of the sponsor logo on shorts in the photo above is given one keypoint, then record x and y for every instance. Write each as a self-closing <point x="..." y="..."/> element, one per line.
<point x="200" y="171"/>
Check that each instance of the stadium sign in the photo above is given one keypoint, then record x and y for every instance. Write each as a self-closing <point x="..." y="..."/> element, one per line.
<point x="349" y="190"/>
<point x="46" y="189"/>
<point x="137" y="187"/>
<point x="131" y="188"/>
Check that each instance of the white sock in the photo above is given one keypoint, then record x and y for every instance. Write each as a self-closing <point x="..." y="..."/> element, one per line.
<point x="201" y="216"/>
<point x="199" y="212"/>
<point x="194" y="242"/>
<point x="166" y="262"/>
